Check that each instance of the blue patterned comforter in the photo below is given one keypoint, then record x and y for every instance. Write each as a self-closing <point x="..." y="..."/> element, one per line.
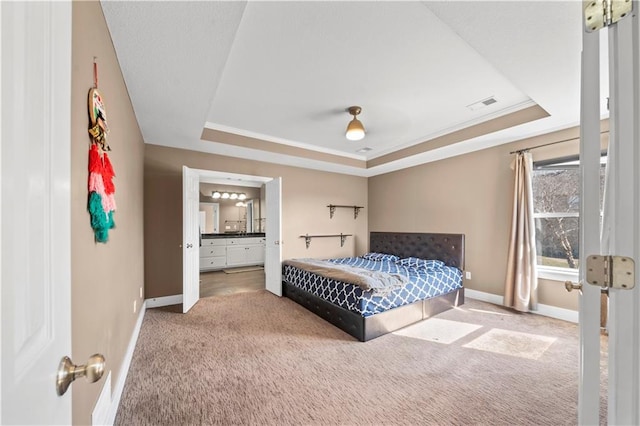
<point x="423" y="284"/>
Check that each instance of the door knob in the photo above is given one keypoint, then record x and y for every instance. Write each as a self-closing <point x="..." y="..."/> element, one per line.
<point x="68" y="372"/>
<point x="572" y="286"/>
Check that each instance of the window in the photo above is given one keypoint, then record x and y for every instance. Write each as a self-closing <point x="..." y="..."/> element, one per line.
<point x="556" y="201"/>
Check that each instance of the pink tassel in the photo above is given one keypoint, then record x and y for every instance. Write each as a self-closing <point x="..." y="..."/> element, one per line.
<point x="96" y="183"/>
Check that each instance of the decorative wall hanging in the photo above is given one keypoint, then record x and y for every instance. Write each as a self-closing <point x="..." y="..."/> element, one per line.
<point x="102" y="203"/>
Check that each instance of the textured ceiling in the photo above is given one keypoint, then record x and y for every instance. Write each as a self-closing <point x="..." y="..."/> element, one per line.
<point x="272" y="80"/>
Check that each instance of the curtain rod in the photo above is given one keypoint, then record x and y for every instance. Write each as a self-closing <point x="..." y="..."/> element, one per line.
<point x="550" y="143"/>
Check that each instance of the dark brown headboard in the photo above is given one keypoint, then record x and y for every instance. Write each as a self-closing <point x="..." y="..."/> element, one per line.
<point x="446" y="247"/>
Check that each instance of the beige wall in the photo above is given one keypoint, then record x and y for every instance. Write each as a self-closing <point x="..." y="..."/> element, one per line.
<point x="469" y="194"/>
<point x="305" y="196"/>
<point x="106" y="278"/>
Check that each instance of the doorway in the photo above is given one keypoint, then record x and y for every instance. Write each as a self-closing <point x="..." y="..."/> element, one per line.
<point x="228" y="278"/>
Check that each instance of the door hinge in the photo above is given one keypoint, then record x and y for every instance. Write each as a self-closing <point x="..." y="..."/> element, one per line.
<point x="602" y="13"/>
<point x="611" y="272"/>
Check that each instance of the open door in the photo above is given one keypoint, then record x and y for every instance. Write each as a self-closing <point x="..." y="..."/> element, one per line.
<point x="35" y="202"/>
<point x="589" y="299"/>
<point x="273" y="256"/>
<point x="190" y="238"/>
<point x="621" y="219"/>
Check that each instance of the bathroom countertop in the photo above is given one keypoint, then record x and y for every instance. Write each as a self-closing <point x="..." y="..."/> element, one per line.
<point x="235" y="235"/>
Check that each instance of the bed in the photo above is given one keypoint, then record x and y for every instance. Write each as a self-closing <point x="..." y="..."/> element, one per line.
<point x="369" y="313"/>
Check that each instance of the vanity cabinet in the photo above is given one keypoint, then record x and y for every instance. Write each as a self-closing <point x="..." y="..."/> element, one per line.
<point x="245" y="251"/>
<point x="213" y="253"/>
<point x="219" y="253"/>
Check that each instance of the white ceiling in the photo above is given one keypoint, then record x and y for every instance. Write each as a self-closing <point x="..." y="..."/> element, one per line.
<point x="285" y="72"/>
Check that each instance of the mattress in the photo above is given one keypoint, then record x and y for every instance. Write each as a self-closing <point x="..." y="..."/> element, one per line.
<point x="423" y="284"/>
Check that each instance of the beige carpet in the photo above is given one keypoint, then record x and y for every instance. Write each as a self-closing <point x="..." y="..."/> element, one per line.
<point x="256" y="359"/>
<point x="438" y="330"/>
<point x="514" y="343"/>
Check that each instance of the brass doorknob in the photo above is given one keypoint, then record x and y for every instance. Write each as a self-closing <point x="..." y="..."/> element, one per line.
<point x="569" y="285"/>
<point x="68" y="372"/>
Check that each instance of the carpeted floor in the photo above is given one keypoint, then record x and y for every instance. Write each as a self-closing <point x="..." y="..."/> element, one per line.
<point x="256" y="359"/>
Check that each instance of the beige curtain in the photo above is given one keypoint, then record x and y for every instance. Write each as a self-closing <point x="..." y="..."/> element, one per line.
<point x="521" y="286"/>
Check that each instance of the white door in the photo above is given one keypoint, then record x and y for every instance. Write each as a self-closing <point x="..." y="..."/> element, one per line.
<point x="190" y="238"/>
<point x="273" y="234"/>
<point x="35" y="210"/>
<point x="621" y="221"/>
<point x="589" y="312"/>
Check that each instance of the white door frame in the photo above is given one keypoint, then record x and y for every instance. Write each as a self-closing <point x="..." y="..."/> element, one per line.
<point x="225" y="178"/>
<point x="624" y="226"/>
<point x="621" y="224"/>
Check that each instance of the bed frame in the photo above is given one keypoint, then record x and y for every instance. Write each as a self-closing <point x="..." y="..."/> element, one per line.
<point x="446" y="247"/>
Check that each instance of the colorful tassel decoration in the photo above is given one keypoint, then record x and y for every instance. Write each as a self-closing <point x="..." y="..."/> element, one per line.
<point x="102" y="203"/>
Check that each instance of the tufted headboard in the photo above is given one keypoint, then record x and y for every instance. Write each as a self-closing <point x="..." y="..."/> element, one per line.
<point x="446" y="247"/>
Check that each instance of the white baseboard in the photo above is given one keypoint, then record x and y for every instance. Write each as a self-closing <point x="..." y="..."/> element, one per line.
<point x="559" y="313"/>
<point x="485" y="297"/>
<point x="110" y="416"/>
<point x="545" y="310"/>
<point x="156" y="302"/>
<point x="100" y="414"/>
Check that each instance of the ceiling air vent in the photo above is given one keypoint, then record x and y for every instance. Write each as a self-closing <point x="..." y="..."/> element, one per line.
<point x="482" y="104"/>
<point x="365" y="149"/>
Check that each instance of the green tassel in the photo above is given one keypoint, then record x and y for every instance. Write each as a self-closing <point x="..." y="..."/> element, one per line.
<point x="101" y="222"/>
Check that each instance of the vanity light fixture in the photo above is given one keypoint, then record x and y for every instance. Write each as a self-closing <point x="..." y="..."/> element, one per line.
<point x="355" y="129"/>
<point x="228" y="195"/>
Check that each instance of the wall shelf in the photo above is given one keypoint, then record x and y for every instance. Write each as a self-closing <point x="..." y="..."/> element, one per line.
<point x="333" y="207"/>
<point x="307" y="238"/>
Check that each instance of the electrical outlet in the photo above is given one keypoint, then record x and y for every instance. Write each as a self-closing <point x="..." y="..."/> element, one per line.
<point x="468" y="275"/>
<point x="135" y="306"/>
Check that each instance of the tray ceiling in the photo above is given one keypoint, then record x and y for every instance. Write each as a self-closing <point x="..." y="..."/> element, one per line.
<point x="272" y="80"/>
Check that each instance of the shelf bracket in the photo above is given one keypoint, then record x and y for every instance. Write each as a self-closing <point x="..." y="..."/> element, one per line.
<point x="307" y="240"/>
<point x="342" y="239"/>
<point x="332" y="210"/>
<point x="356" y="210"/>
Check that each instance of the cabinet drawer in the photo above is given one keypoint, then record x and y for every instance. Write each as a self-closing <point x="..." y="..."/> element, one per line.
<point x="245" y="241"/>
<point x="208" y="251"/>
<point x="214" y="242"/>
<point x="213" y="262"/>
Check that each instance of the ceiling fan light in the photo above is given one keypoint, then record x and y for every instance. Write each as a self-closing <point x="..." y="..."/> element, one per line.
<point x="355" y="130"/>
